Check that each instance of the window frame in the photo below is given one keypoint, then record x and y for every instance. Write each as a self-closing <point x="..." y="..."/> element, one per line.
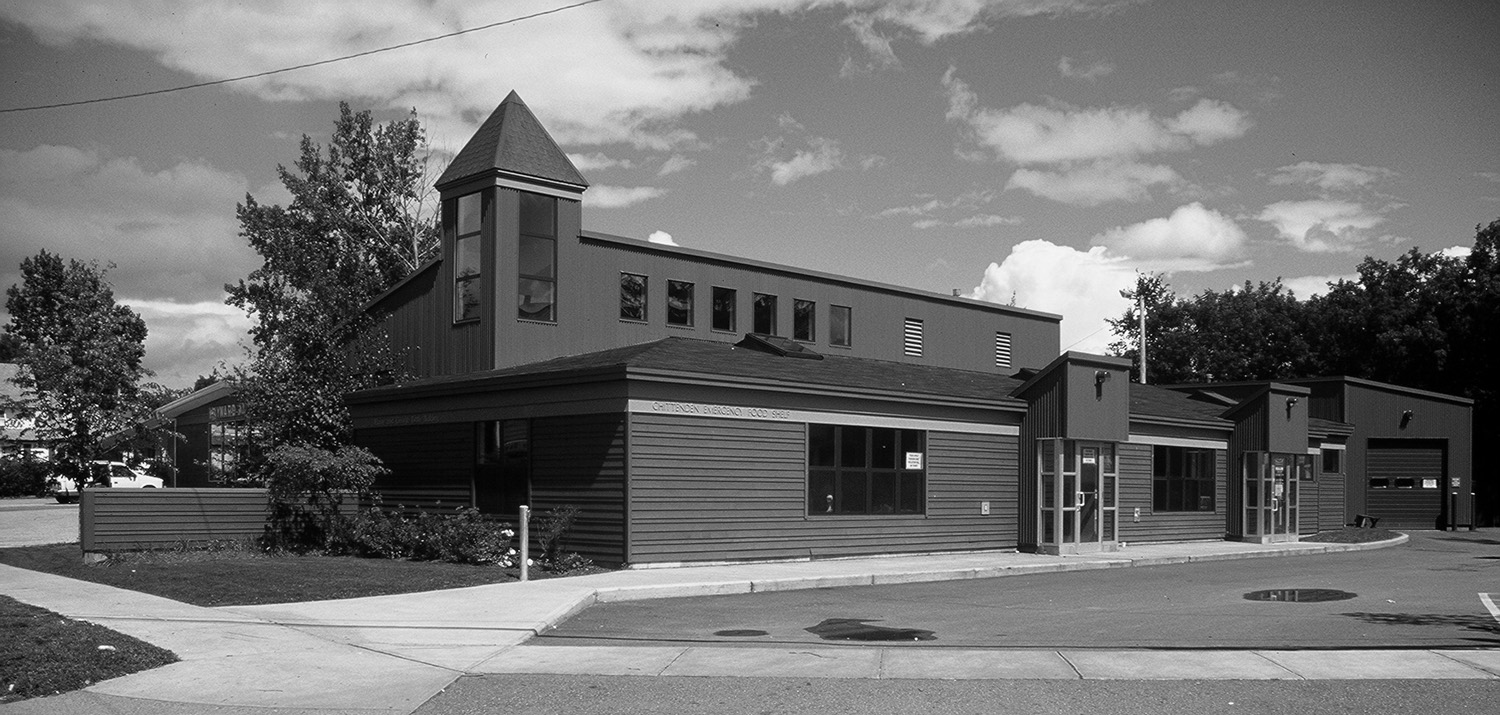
<point x="645" y="298"/>
<point x="1163" y="479"/>
<point x="808" y="310"/>
<point x="833" y="335"/>
<point x="692" y="302"/>
<point x="832" y="481"/>
<point x="717" y="297"/>
<point x="474" y="241"/>
<point x="757" y="302"/>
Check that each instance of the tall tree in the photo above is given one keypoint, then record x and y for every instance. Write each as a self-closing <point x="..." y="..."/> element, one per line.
<point x="355" y="226"/>
<point x="1253" y="333"/>
<point x="81" y="354"/>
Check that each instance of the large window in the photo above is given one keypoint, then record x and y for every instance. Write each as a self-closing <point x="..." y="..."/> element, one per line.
<point x="764" y="314"/>
<point x="1182" y="479"/>
<point x="723" y="306"/>
<point x="804" y="320"/>
<point x="466" y="253"/>
<point x="632" y="297"/>
<point x="840" y="330"/>
<point x="866" y="470"/>
<point x="536" y="285"/>
<point x="679" y="303"/>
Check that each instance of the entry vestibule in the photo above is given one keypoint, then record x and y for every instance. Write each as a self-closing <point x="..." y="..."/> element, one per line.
<point x="1271" y="485"/>
<point x="1079" y="487"/>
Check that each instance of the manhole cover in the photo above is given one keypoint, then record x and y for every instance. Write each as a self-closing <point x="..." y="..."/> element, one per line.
<point x="740" y="633"/>
<point x="1299" y="594"/>
<point x="859" y="629"/>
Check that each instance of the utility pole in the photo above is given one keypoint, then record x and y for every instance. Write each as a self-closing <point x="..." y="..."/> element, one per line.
<point x="1141" y="310"/>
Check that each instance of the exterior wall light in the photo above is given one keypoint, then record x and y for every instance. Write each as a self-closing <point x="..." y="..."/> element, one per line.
<point x="1405" y="418"/>
<point x="1290" y="403"/>
<point x="1100" y="377"/>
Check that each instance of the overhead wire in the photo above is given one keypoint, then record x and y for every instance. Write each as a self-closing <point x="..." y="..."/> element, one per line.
<point x="319" y="63"/>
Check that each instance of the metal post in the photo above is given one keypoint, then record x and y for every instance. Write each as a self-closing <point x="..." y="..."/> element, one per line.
<point x="525" y="539"/>
<point x="1142" y="311"/>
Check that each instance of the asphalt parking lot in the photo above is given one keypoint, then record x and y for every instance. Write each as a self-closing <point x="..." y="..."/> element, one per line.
<point x="1425" y="594"/>
<point x="28" y="521"/>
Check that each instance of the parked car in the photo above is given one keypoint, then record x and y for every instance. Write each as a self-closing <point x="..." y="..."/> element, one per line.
<point x="105" y="473"/>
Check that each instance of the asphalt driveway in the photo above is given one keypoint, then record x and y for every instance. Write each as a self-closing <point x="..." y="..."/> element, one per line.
<point x="29" y="521"/>
<point x="1425" y="594"/>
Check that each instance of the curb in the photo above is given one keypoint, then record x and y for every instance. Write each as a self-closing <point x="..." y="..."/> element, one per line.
<point x="619" y="594"/>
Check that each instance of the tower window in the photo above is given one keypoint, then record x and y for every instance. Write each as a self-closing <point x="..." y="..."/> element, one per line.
<point x="764" y="317"/>
<point x="840" y="329"/>
<point x="536" y="273"/>
<point x="466" y="256"/>
<point x="632" y="297"/>
<point x="804" y="320"/>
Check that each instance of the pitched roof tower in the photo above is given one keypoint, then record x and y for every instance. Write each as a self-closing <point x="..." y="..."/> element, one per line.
<point x="513" y="145"/>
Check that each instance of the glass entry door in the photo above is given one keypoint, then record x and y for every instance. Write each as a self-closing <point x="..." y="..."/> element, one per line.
<point x="1271" y="481"/>
<point x="1078" y="490"/>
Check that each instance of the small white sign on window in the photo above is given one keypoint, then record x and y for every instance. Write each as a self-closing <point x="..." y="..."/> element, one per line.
<point x="913" y="460"/>
<point x="1429" y="484"/>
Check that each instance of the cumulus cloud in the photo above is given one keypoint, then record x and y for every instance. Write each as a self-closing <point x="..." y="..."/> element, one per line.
<point x="1329" y="177"/>
<point x="1305" y="287"/>
<point x="1096" y="183"/>
<point x="1089" y="72"/>
<point x="1086" y="156"/>
<point x="185" y="340"/>
<point x="597" y="161"/>
<point x="1082" y="286"/>
<point x="616" y="197"/>
<point x="674" y="164"/>
<point x="1322" y="225"/>
<point x="1192" y="238"/>
<point x="649" y="62"/>
<point x="661" y="237"/>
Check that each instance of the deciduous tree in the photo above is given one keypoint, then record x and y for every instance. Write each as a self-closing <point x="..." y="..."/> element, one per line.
<point x="81" y="356"/>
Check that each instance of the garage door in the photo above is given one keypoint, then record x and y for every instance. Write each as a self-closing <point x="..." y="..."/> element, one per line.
<point x="1405" y="482"/>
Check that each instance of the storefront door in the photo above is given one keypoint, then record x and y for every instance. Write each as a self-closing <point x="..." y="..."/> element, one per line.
<point x="1078" y="486"/>
<point x="1271" y="495"/>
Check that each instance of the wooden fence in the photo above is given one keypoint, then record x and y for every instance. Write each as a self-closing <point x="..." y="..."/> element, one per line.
<point x="125" y="519"/>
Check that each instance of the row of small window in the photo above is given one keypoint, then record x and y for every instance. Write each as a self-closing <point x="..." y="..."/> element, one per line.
<point x="724" y="306"/>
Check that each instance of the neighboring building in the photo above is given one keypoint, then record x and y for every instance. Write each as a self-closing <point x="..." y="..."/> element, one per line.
<point x="698" y="407"/>
<point x="17" y="425"/>
<point x="207" y="436"/>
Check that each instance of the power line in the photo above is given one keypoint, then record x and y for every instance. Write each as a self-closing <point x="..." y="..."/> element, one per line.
<point x="319" y="63"/>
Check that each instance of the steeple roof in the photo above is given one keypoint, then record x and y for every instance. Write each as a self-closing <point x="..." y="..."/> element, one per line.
<point x="512" y="141"/>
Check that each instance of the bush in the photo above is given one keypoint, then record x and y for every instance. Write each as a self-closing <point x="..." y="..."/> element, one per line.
<point x="308" y="488"/>
<point x="463" y="537"/>
<point x="551" y="527"/>
<point x="23" y="477"/>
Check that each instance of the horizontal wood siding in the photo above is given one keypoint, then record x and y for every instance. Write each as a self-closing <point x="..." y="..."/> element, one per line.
<point x="431" y="466"/>
<point x="125" y="519"/>
<point x="580" y="461"/>
<point x="1135" y="493"/>
<point x="1331" y="502"/>
<point x="711" y="490"/>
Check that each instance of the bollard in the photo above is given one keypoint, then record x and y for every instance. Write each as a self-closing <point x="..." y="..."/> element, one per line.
<point x="525" y="539"/>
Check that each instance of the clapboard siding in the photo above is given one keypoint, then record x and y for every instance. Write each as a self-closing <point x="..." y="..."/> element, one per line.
<point x="703" y="489"/>
<point x="1331" y="502"/>
<point x="123" y="519"/>
<point x="580" y="461"/>
<point x="1135" y="493"/>
<point x="431" y="466"/>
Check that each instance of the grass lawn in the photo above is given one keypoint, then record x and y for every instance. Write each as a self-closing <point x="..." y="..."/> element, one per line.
<point x="242" y="577"/>
<point x="42" y="653"/>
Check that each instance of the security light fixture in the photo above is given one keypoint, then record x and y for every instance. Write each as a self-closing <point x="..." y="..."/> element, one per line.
<point x="1100" y="377"/>
<point x="1405" y="418"/>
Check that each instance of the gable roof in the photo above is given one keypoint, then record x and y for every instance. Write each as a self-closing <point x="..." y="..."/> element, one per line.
<point x="512" y="141"/>
<point x="676" y="356"/>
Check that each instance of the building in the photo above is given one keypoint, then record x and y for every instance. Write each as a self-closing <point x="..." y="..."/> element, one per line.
<point x="699" y="407"/>
<point x="17" y="424"/>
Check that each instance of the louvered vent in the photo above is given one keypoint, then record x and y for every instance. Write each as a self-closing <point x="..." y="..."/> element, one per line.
<point x="1002" y="350"/>
<point x="912" y="337"/>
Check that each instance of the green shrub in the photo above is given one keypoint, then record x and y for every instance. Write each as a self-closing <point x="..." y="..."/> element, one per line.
<point x="464" y="537"/>
<point x="309" y="488"/>
<point x="23" y="477"/>
<point x="551" y="527"/>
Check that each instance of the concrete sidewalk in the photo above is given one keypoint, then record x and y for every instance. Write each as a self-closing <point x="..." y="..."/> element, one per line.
<point x="392" y="653"/>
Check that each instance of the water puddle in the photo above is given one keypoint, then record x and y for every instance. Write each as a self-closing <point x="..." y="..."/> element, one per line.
<point x="859" y="629"/>
<point x="740" y="633"/>
<point x="1302" y="595"/>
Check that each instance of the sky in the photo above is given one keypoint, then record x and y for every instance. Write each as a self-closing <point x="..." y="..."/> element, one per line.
<point x="1040" y="153"/>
